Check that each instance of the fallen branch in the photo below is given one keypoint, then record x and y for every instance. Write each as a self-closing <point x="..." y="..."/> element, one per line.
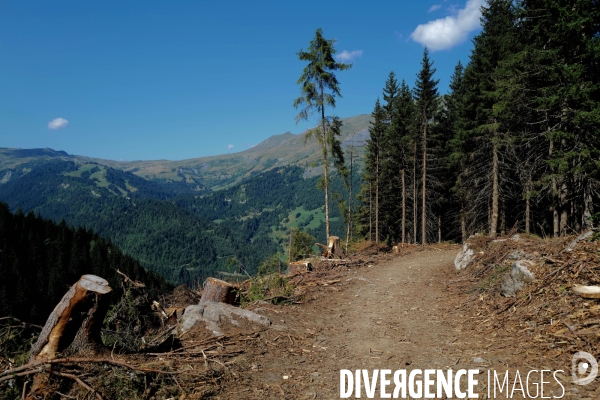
<point x="35" y="367"/>
<point x="79" y="381"/>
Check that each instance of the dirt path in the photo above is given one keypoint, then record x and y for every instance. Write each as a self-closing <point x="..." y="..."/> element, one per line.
<point x="395" y="315"/>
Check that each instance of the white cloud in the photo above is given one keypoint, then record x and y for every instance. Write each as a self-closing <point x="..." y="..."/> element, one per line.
<point x="230" y="146"/>
<point x="58" y="123"/>
<point x="445" y="33"/>
<point x="434" y="7"/>
<point x="346" y="55"/>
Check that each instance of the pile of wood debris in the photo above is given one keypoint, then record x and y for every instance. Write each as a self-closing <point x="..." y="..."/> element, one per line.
<point x="547" y="320"/>
<point x="148" y="356"/>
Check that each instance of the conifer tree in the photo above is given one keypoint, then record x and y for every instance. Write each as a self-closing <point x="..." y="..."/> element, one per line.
<point x="485" y="170"/>
<point x="319" y="88"/>
<point x="427" y="101"/>
<point x="373" y="158"/>
<point x="399" y="137"/>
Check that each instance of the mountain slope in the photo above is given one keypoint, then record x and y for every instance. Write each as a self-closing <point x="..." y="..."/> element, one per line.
<point x="143" y="220"/>
<point x="221" y="171"/>
<point x="215" y="172"/>
<point x="39" y="259"/>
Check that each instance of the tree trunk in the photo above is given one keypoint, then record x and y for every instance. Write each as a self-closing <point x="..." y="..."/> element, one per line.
<point x="290" y="249"/>
<point x="377" y="198"/>
<point x="424" y="189"/>
<point x="439" y="229"/>
<point x="218" y="291"/>
<point x="75" y="322"/>
<point x="588" y="211"/>
<point x="403" y="208"/>
<point x="527" y="207"/>
<point x="370" y="212"/>
<point x="415" y="193"/>
<point x="555" y="219"/>
<point x="495" y="193"/>
<point x="502" y="220"/>
<point x="463" y="224"/>
<point x="564" y="215"/>
<point x="325" y="163"/>
<point x="348" y="233"/>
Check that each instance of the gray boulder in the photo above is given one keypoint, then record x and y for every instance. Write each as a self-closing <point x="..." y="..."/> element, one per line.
<point x="464" y="257"/>
<point x="211" y="314"/>
<point x="583" y="236"/>
<point x="518" y="277"/>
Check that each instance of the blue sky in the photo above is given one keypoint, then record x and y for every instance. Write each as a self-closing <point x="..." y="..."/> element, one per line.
<point x="173" y="80"/>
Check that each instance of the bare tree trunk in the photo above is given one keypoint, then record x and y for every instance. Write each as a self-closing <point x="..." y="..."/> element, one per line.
<point x="439" y="229"/>
<point x="588" y="211"/>
<point x="527" y="207"/>
<point x="325" y="165"/>
<point x="290" y="249"/>
<point x="424" y="189"/>
<point x="377" y="199"/>
<point x="403" y="209"/>
<point x="415" y="193"/>
<point x="349" y="231"/>
<point x="555" y="218"/>
<point x="370" y="212"/>
<point x="502" y="220"/>
<point x="495" y="193"/>
<point x="463" y="224"/>
<point x="564" y="215"/>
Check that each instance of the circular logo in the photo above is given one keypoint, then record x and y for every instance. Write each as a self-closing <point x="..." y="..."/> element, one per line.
<point x="581" y="365"/>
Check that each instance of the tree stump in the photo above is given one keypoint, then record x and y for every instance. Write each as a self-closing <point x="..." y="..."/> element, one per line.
<point x="75" y="322"/>
<point x="333" y="248"/>
<point x="299" y="267"/>
<point x="218" y="291"/>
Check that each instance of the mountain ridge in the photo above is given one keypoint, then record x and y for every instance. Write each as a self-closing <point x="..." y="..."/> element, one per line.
<point x="213" y="172"/>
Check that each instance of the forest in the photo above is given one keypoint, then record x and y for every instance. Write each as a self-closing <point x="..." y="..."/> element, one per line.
<point x="184" y="237"/>
<point x="512" y="147"/>
<point x="40" y="259"/>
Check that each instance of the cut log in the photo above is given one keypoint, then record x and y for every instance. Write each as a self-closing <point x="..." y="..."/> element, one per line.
<point x="588" y="292"/>
<point x="218" y="291"/>
<point x="75" y="322"/>
<point x="299" y="267"/>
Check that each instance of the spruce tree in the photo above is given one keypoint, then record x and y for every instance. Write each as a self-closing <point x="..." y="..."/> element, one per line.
<point x="319" y="88"/>
<point x="396" y="159"/>
<point x="373" y="159"/>
<point x="485" y="170"/>
<point x="427" y="101"/>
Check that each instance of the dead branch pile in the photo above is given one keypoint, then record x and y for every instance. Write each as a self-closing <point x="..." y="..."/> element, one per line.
<point x="135" y="363"/>
<point x="548" y="318"/>
<point x="194" y="370"/>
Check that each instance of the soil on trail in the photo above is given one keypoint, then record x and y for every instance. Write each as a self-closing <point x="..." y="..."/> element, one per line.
<point x="398" y="314"/>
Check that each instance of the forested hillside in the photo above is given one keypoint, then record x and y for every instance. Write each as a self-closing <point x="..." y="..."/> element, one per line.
<point x="184" y="237"/>
<point x="515" y="143"/>
<point x="40" y="259"/>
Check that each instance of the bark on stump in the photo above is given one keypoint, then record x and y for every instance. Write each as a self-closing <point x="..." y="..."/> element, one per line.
<point x="73" y="327"/>
<point x="299" y="267"/>
<point x="75" y="322"/>
<point x="333" y="248"/>
<point x="218" y="291"/>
